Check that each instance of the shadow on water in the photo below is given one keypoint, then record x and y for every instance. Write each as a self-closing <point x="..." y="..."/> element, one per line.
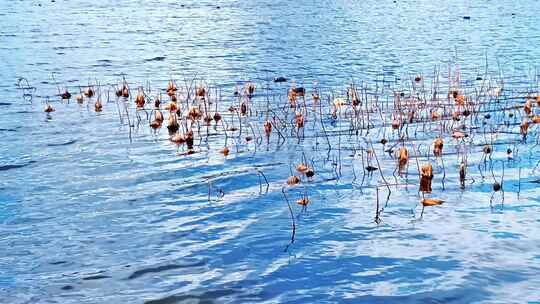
<point x="206" y="297"/>
<point x="162" y="268"/>
<point x="457" y="295"/>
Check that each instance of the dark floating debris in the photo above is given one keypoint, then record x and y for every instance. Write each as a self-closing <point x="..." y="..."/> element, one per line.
<point x="66" y="95"/>
<point x="371" y="168"/>
<point x="280" y="79"/>
<point x="299" y="91"/>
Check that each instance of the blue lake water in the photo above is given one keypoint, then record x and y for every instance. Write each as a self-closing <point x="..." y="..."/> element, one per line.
<point x="86" y="216"/>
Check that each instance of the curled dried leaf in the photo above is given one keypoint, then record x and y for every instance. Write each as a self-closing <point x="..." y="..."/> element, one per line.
<point x="432" y="202"/>
<point x="293" y="180"/>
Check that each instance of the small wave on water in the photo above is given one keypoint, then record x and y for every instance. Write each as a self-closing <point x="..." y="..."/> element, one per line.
<point x="15" y="166"/>
<point x="158" y="58"/>
<point x="70" y="142"/>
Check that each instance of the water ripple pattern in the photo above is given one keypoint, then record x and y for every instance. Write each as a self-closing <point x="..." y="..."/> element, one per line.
<point x="86" y="216"/>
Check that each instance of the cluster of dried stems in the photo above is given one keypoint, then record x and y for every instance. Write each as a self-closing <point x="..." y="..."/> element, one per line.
<point x="426" y="120"/>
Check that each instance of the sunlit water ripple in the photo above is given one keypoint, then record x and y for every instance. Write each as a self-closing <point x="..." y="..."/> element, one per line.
<point x="88" y="217"/>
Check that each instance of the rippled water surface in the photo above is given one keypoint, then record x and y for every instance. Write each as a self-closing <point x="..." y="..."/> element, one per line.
<point x="86" y="216"/>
